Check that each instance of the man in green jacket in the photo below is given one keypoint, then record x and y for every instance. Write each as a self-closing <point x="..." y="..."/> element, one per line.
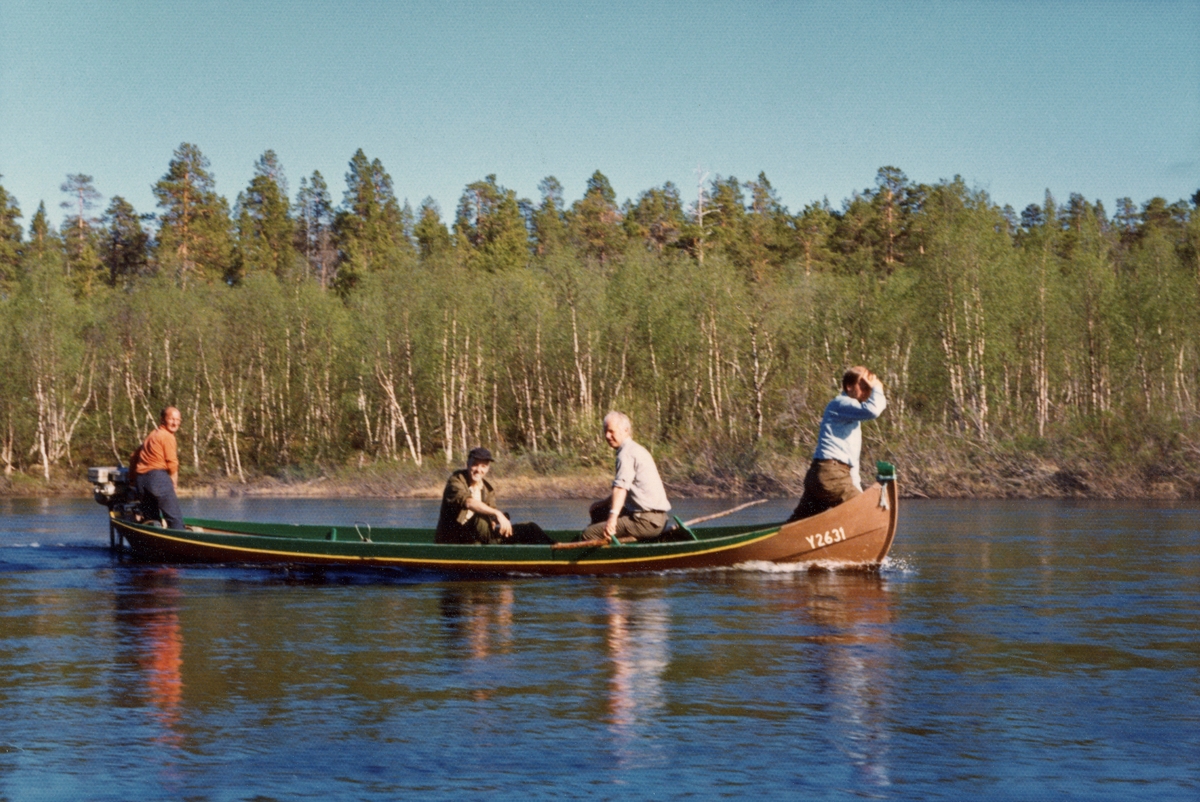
<point x="469" y="513"/>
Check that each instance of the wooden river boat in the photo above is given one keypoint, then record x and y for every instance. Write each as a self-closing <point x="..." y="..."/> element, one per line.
<point x="856" y="534"/>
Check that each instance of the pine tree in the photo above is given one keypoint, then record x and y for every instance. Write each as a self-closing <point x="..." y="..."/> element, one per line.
<point x="754" y="235"/>
<point x="657" y="219"/>
<point x="83" y="198"/>
<point x="124" y="243"/>
<point x="265" y="227"/>
<point x="314" y="229"/>
<point x="408" y="222"/>
<point x="433" y="238"/>
<point x="891" y="204"/>
<point x="1191" y="253"/>
<point x="725" y="217"/>
<point x="549" y="220"/>
<point x="10" y="237"/>
<point x="769" y="235"/>
<point x="194" y="237"/>
<point x="369" y="228"/>
<point x="595" y="220"/>
<point x="814" y="226"/>
<point x="79" y="232"/>
<point x="491" y="228"/>
<point x="42" y="238"/>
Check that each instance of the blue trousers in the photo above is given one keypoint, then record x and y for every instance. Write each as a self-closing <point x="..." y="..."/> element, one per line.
<point x="157" y="492"/>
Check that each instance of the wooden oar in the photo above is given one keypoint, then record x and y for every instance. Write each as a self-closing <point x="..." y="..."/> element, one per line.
<point x="731" y="511"/>
<point x="591" y="544"/>
<point x="600" y="542"/>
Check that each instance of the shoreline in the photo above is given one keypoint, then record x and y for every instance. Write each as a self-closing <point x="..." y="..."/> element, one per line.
<point x="1017" y="477"/>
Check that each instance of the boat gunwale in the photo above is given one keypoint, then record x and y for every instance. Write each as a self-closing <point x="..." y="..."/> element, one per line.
<point x="671" y="549"/>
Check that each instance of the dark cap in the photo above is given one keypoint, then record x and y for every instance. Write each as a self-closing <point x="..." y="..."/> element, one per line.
<point x="480" y="455"/>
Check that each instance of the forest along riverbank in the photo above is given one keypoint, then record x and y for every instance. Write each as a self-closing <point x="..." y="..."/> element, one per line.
<point x="1051" y="352"/>
<point x="929" y="472"/>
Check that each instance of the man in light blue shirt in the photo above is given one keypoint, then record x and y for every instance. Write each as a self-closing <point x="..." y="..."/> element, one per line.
<point x="833" y="477"/>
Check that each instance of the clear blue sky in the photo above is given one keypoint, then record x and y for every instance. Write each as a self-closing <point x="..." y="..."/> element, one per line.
<point x="1101" y="98"/>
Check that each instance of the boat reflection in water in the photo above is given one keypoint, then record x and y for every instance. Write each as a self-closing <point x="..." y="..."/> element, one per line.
<point x="150" y="609"/>
<point x="848" y="619"/>
<point x="479" y="618"/>
<point x="636" y="639"/>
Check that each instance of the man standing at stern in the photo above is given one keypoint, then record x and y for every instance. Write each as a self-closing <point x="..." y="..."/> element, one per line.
<point x="638" y="506"/>
<point x="833" y="476"/>
<point x="155" y="468"/>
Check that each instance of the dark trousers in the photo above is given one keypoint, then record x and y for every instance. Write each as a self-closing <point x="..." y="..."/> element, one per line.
<point x="827" y="484"/>
<point x="640" y="525"/>
<point x="530" y="534"/>
<point x="483" y="530"/>
<point x="157" y="493"/>
<point x="476" y="530"/>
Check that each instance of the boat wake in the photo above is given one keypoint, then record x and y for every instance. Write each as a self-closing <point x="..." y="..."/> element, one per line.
<point x="765" y="567"/>
<point x="897" y="566"/>
<point x="888" y="566"/>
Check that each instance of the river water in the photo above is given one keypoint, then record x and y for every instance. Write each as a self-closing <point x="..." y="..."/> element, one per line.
<point x="1006" y="650"/>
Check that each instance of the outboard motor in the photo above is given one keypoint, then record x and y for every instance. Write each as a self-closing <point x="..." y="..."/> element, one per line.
<point x="110" y="487"/>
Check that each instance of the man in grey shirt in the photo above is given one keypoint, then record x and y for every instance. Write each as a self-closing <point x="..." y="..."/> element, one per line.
<point x="638" y="506"/>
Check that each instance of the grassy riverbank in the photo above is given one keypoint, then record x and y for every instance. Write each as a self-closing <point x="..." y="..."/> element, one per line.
<point x="930" y="464"/>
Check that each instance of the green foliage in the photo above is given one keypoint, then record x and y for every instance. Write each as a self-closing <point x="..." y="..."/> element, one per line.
<point x="433" y="238"/>
<point x="657" y="219"/>
<point x="54" y="363"/>
<point x="813" y="228"/>
<point x="549" y="219"/>
<point x="80" y="233"/>
<point x="1055" y="332"/>
<point x="42" y="238"/>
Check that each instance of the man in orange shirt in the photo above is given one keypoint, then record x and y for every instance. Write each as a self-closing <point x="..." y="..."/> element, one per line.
<point x="155" y="468"/>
